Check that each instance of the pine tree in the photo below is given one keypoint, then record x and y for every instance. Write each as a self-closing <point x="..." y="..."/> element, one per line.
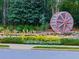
<point x="27" y="12"/>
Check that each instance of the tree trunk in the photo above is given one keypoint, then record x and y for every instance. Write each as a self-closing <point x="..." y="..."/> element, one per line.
<point x="5" y="2"/>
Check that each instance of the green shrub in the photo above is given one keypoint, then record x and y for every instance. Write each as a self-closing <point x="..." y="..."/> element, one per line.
<point x="4" y="46"/>
<point x="30" y="28"/>
<point x="39" y="39"/>
<point x="44" y="27"/>
<point x="19" y="28"/>
<point x="45" y="39"/>
<point x="32" y="40"/>
<point x="69" y="41"/>
<point x="17" y="40"/>
<point x="26" y="28"/>
<point x="1" y="28"/>
<point x="10" y="28"/>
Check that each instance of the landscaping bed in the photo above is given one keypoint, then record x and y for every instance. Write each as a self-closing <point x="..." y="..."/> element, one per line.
<point x="40" y="40"/>
<point x="32" y="40"/>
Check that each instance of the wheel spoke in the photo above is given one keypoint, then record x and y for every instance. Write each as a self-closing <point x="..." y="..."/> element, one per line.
<point x="69" y="23"/>
<point x="68" y="19"/>
<point x="62" y="17"/>
<point x="61" y="25"/>
<point x="69" y="27"/>
<point x="59" y="21"/>
<point x="64" y="28"/>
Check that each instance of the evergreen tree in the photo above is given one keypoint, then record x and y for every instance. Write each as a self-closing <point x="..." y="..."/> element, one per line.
<point x="1" y="3"/>
<point x="27" y="12"/>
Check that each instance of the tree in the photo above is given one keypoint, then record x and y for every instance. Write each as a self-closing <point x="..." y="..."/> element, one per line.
<point x="27" y="12"/>
<point x="54" y="5"/>
<point x="71" y="6"/>
<point x="5" y="6"/>
<point x="1" y="3"/>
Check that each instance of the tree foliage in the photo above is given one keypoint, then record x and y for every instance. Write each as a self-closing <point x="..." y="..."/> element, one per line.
<point x="27" y="12"/>
<point x="71" y="6"/>
<point x="1" y="2"/>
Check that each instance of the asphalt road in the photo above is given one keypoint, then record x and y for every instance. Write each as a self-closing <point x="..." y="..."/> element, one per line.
<point x="37" y="54"/>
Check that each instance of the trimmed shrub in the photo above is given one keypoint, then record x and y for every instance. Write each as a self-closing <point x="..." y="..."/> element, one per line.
<point x="17" y="40"/>
<point x="32" y="40"/>
<point x="69" y="41"/>
<point x="39" y="39"/>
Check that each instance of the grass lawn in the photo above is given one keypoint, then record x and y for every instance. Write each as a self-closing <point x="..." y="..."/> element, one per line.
<point x="56" y="48"/>
<point x="4" y="46"/>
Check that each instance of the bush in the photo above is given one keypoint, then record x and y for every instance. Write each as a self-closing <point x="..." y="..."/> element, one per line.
<point x="44" y="27"/>
<point x="17" y="40"/>
<point x="69" y="41"/>
<point x="24" y="28"/>
<point x="39" y="39"/>
<point x="1" y="28"/>
<point x="42" y="39"/>
<point x="32" y="40"/>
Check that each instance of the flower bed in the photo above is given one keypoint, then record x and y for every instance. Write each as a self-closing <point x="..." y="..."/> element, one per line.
<point x="31" y="40"/>
<point x="40" y="39"/>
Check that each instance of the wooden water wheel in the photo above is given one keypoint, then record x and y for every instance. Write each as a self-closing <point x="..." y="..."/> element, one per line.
<point x="61" y="22"/>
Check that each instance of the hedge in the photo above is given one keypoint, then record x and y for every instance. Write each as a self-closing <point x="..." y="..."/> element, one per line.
<point x="70" y="41"/>
<point x="39" y="39"/>
<point x="32" y="40"/>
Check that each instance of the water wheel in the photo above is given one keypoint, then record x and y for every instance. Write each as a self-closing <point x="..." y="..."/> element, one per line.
<point x="61" y="22"/>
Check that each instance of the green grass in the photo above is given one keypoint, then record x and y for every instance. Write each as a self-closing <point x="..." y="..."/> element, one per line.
<point x="4" y="46"/>
<point x="55" y="47"/>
